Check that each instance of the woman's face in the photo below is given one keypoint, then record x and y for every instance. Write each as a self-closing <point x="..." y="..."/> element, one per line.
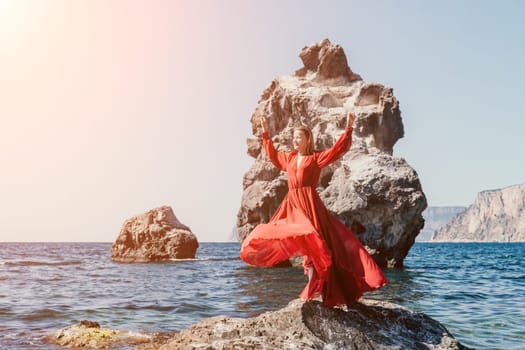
<point x="300" y="141"/>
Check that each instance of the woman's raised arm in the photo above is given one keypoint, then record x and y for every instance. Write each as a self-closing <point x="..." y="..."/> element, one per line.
<point x="279" y="159"/>
<point x="340" y="147"/>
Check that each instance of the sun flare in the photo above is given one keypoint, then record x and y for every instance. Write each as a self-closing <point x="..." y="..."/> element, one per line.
<point x="17" y="20"/>
<point x="12" y="13"/>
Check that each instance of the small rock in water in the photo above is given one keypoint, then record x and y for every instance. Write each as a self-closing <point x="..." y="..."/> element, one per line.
<point x="89" y="334"/>
<point x="89" y="324"/>
<point x="154" y="236"/>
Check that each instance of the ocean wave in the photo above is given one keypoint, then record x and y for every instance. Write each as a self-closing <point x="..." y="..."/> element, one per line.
<point x="150" y="307"/>
<point x="191" y="307"/>
<point x="466" y="296"/>
<point x="225" y="259"/>
<point x="42" y="314"/>
<point x="207" y="259"/>
<point x="41" y="263"/>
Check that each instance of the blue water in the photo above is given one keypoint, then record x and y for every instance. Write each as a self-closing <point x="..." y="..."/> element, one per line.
<point x="476" y="290"/>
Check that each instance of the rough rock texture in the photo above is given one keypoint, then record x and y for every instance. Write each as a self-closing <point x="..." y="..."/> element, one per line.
<point x="435" y="218"/>
<point x="89" y="335"/>
<point x="368" y="184"/>
<point x="495" y="216"/>
<point x="156" y="235"/>
<point x="309" y="325"/>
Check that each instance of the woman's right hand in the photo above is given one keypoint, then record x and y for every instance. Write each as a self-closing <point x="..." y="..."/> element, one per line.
<point x="263" y="121"/>
<point x="350" y="118"/>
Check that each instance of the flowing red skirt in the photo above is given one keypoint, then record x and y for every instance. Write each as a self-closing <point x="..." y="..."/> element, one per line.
<point x="303" y="226"/>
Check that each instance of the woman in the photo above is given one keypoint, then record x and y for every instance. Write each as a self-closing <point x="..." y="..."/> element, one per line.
<point x="338" y="266"/>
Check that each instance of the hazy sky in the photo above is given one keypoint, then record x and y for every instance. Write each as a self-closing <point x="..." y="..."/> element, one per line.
<point x="110" y="108"/>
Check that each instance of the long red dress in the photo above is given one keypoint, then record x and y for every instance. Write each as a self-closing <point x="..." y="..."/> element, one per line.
<point x="301" y="225"/>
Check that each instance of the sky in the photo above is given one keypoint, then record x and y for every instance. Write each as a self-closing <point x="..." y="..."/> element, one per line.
<point x="109" y="108"/>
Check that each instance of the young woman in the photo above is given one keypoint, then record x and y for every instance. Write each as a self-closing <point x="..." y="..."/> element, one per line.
<point x="338" y="266"/>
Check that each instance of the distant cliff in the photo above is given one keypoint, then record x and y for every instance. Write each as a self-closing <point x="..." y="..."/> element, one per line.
<point x="435" y="218"/>
<point x="495" y="216"/>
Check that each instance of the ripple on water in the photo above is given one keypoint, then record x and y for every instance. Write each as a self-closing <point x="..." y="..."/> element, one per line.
<point x="41" y="263"/>
<point x="41" y="314"/>
<point x="465" y="296"/>
<point x="155" y="307"/>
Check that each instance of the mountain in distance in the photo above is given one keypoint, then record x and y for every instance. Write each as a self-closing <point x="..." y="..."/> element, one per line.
<point x="495" y="216"/>
<point x="435" y="218"/>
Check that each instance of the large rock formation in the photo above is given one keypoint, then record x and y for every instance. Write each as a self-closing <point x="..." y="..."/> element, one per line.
<point x="156" y="235"/>
<point x="435" y="218"/>
<point x="368" y="184"/>
<point x="309" y="325"/>
<point x="368" y="324"/>
<point x="495" y="216"/>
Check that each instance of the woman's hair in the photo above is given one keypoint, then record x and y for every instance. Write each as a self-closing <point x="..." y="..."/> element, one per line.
<point x="310" y="137"/>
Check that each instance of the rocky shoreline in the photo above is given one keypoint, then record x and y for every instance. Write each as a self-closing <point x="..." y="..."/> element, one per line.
<point x="368" y="324"/>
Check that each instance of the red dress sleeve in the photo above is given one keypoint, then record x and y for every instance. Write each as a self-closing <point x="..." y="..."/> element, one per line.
<point x="341" y="146"/>
<point x="279" y="159"/>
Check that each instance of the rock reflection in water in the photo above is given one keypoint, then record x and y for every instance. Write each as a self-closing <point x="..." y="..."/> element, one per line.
<point x="403" y="285"/>
<point x="263" y="289"/>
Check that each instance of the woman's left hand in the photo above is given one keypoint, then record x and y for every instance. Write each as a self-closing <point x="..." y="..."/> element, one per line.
<point x="350" y="117"/>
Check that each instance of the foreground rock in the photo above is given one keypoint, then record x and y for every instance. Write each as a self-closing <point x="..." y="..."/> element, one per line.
<point x="435" y="219"/>
<point x="156" y="235"/>
<point x="309" y="325"/>
<point x="89" y="334"/>
<point x="495" y="216"/>
<point x="368" y="185"/>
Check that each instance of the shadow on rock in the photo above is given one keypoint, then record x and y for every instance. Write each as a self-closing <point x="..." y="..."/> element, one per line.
<point x="372" y="324"/>
<point x="365" y="325"/>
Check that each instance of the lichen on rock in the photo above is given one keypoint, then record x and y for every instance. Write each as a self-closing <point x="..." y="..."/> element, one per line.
<point x="89" y="334"/>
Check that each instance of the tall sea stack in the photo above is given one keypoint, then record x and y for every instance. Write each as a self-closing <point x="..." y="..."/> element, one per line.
<point x="368" y="185"/>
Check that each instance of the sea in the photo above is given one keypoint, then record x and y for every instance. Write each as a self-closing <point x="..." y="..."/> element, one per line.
<point x="477" y="290"/>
